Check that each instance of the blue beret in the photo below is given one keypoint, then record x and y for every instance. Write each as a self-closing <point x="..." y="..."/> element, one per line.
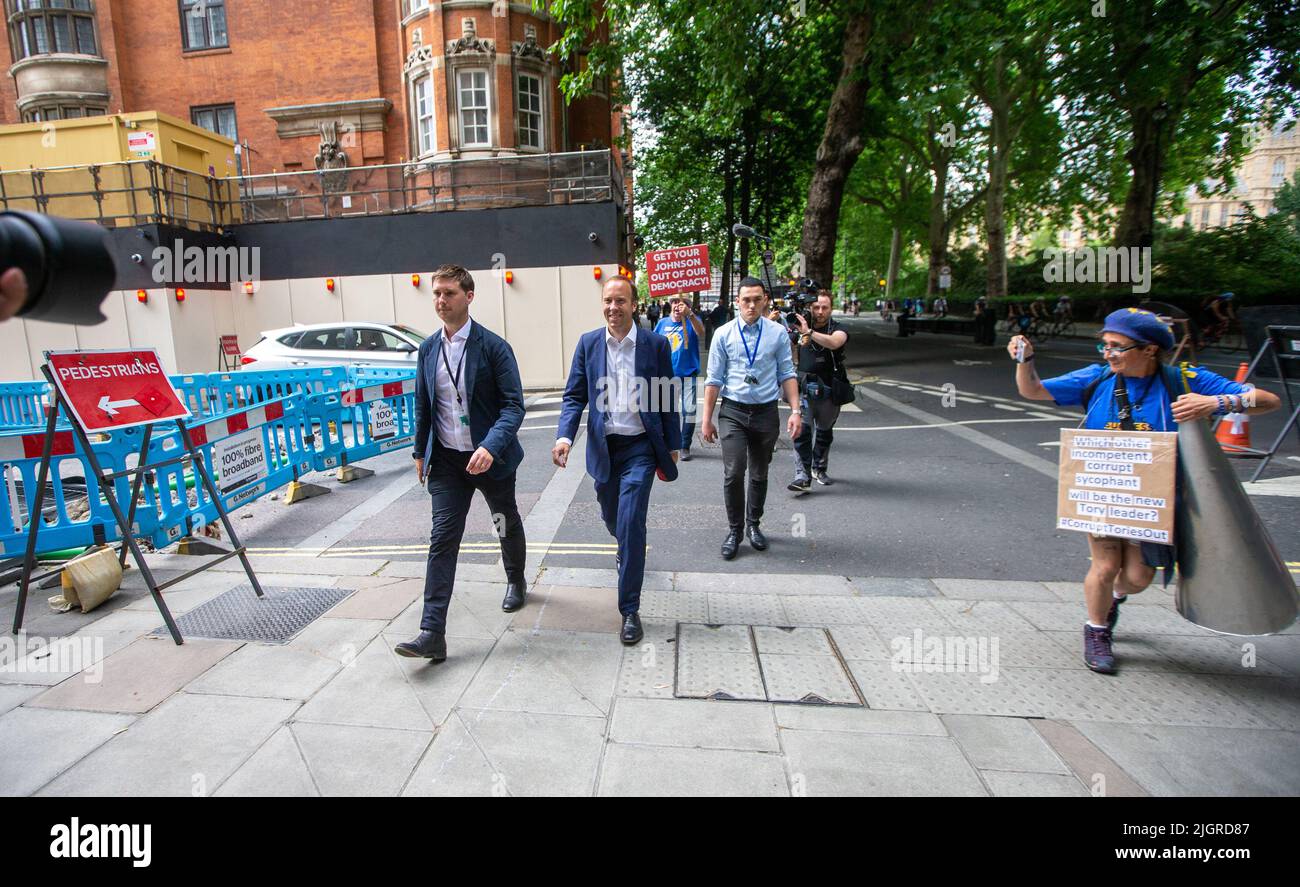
<point x="1139" y="325"/>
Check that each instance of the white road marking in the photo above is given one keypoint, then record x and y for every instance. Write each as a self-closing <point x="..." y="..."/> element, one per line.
<point x="1007" y="406"/>
<point x="839" y="428"/>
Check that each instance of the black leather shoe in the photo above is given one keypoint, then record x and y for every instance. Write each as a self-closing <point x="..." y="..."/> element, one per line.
<point x="428" y="645"/>
<point x="731" y="545"/>
<point x="756" y="537"/>
<point x="515" y="594"/>
<point x="631" y="633"/>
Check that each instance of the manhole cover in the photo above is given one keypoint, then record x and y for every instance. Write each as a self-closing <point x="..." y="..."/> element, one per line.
<point x="240" y="615"/>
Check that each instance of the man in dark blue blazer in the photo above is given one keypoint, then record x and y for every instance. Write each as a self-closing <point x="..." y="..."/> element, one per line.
<point x="633" y="431"/>
<point x="469" y="404"/>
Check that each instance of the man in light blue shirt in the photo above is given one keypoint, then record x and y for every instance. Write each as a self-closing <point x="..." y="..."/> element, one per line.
<point x="750" y="367"/>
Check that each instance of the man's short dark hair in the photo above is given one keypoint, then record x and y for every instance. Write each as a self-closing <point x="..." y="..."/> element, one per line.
<point x="456" y="273"/>
<point x="750" y="281"/>
<point x="631" y="285"/>
<point x="826" y="293"/>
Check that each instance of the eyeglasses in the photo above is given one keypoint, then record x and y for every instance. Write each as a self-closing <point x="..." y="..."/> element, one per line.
<point x="1102" y="348"/>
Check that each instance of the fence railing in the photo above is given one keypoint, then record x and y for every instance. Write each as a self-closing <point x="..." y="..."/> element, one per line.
<point x="139" y="192"/>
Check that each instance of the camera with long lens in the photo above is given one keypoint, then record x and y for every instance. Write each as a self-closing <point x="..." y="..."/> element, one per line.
<point x="68" y="266"/>
<point x="801" y="295"/>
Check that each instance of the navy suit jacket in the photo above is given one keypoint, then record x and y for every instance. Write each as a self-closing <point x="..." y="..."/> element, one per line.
<point x="654" y="364"/>
<point x="495" y="393"/>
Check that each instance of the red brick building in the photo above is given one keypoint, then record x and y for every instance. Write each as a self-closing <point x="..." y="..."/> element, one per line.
<point x="394" y="80"/>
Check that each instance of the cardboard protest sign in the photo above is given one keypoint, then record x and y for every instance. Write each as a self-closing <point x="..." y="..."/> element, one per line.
<point x="1118" y="483"/>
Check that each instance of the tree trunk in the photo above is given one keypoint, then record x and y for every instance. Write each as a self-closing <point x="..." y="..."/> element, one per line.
<point x="729" y="214"/>
<point x="995" y="285"/>
<point x="938" y="222"/>
<point x="748" y="150"/>
<point x="1147" y="159"/>
<point x="895" y="248"/>
<point x="839" y="149"/>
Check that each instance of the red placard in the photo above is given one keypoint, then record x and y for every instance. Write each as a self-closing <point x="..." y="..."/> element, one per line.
<point x="230" y="345"/>
<point x="115" y="389"/>
<point x="683" y="269"/>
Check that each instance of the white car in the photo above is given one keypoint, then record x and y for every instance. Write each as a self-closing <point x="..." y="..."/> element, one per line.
<point x="335" y="344"/>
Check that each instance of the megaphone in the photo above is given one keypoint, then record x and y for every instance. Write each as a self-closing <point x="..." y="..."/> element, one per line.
<point x="1231" y="578"/>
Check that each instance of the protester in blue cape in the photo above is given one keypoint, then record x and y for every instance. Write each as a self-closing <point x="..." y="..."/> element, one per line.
<point x="1133" y="390"/>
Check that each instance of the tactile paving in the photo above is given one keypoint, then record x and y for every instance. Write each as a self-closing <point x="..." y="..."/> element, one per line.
<point x="792" y="641"/>
<point x="240" y="615"/>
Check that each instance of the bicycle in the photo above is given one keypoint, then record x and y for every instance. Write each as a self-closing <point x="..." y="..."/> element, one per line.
<point x="1225" y="336"/>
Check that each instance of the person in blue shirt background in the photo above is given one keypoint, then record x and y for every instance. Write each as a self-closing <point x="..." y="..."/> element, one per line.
<point x="683" y="329"/>
<point x="1134" y="343"/>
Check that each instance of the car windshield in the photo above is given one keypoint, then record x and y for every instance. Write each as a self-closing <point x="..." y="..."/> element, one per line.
<point x="409" y="332"/>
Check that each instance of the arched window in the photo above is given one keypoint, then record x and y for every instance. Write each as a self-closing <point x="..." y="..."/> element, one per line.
<point x="38" y="27"/>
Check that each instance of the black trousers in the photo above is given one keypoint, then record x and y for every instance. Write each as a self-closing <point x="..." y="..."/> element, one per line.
<point x="823" y="413"/>
<point x="748" y="433"/>
<point x="452" y="489"/>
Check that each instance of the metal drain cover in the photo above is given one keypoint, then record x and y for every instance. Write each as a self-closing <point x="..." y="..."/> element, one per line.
<point x="240" y="615"/>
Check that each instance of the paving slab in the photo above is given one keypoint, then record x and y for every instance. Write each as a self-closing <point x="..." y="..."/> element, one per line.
<point x="138" y="677"/>
<point x="480" y="753"/>
<point x="645" y="771"/>
<point x="1280" y="649"/>
<point x="39" y="744"/>
<point x="337" y="639"/>
<point x="570" y="608"/>
<point x="994" y="590"/>
<point x="849" y="719"/>
<point x="187" y="746"/>
<point x="438" y="686"/>
<point x="993" y="743"/>
<point x="885" y="688"/>
<point x="14" y="695"/>
<point x="694" y="723"/>
<point x="732" y="608"/>
<point x="859" y="642"/>
<point x="1187" y="762"/>
<point x="276" y="770"/>
<point x="681" y="606"/>
<point x="785" y="584"/>
<point x="1214" y="655"/>
<point x="271" y="670"/>
<point x="567" y="673"/>
<point x="348" y="761"/>
<point x="378" y="602"/>
<point x="822" y="611"/>
<point x="1097" y="772"/>
<point x="1133" y="652"/>
<point x="1277" y="700"/>
<point x="1006" y="784"/>
<point x="881" y="586"/>
<point x="589" y="577"/>
<point x="182" y="598"/>
<point x="371" y="691"/>
<point x="871" y="764"/>
<point x="971" y="617"/>
<point x="1070" y="616"/>
<point x="51" y="661"/>
<point x="1154" y="595"/>
<point x="304" y="566"/>
<point x="647" y="669"/>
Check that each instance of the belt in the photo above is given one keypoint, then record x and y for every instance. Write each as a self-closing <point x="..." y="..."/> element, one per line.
<point x="623" y="438"/>
<point x="750" y="407"/>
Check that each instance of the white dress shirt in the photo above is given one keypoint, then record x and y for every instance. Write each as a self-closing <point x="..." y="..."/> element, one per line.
<point x="452" y="432"/>
<point x="620" y="390"/>
<point x="623" y="401"/>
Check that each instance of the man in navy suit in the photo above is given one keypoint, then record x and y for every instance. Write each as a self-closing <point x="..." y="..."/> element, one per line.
<point x="633" y="431"/>
<point x="469" y="404"/>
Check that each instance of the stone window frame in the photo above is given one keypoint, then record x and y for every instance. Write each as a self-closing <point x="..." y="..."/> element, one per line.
<point x="40" y="113"/>
<point x="488" y="90"/>
<point x="24" y="18"/>
<point x="1278" y="175"/>
<point x="183" y="6"/>
<point x="425" y="77"/>
<point x="540" y="79"/>
<point x="471" y="53"/>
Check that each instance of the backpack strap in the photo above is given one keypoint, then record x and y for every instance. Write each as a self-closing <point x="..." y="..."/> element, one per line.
<point x="1092" y="389"/>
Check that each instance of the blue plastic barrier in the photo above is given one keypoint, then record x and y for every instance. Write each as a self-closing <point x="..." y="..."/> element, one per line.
<point x="361" y="422"/>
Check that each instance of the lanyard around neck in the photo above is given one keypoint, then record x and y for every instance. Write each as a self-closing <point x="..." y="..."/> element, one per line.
<point x="757" y="341"/>
<point x="455" y="377"/>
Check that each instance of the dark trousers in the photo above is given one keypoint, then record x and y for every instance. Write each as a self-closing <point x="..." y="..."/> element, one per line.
<point x="452" y="489"/>
<point x="823" y="413"/>
<point x="748" y="433"/>
<point x="624" y="502"/>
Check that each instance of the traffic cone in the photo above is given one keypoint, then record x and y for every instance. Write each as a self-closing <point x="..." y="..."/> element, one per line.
<point x="1233" y="433"/>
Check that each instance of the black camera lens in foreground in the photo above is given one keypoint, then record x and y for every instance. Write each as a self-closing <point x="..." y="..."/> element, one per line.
<point x="68" y="266"/>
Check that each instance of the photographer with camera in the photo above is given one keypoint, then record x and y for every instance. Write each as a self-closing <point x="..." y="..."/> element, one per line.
<point x="52" y="269"/>
<point x="820" y="359"/>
